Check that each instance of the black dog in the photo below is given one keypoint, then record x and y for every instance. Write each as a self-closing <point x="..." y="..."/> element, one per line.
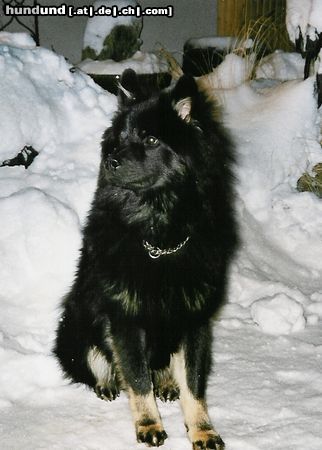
<point x="153" y="266"/>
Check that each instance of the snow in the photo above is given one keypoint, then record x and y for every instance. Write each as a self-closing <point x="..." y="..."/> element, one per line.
<point x="315" y="19"/>
<point x="278" y="135"/>
<point x="98" y="27"/>
<point x="281" y="66"/>
<point x="141" y="62"/>
<point x="232" y="72"/>
<point x="266" y="388"/>
<point x="297" y="17"/>
<point x="22" y="40"/>
<point x="279" y="314"/>
<point x="303" y="16"/>
<point x="221" y="43"/>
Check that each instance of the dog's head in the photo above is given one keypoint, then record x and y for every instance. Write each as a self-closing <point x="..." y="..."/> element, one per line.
<point x="152" y="138"/>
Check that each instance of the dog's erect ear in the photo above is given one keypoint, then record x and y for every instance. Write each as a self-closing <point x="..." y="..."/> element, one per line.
<point x="128" y="87"/>
<point x="183" y="95"/>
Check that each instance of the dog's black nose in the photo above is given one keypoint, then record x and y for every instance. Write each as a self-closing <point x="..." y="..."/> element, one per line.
<point x="112" y="163"/>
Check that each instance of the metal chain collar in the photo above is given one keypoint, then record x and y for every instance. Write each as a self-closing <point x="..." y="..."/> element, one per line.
<point x="156" y="252"/>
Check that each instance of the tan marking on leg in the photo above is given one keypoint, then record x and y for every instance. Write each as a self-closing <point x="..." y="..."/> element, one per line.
<point x="143" y="406"/>
<point x="198" y="423"/>
<point x="148" y="424"/>
<point x="147" y="420"/>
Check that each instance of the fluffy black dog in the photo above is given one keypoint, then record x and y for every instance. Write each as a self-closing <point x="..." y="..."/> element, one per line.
<point x="153" y="266"/>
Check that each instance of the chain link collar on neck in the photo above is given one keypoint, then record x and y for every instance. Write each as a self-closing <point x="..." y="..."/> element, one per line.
<point x="156" y="252"/>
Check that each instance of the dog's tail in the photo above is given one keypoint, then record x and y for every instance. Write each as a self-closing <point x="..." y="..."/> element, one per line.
<point x="72" y="345"/>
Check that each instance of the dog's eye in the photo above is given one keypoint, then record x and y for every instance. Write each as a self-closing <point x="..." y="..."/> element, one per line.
<point x="152" y="141"/>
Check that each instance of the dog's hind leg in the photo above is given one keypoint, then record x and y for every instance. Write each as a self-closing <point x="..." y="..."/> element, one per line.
<point x="190" y="368"/>
<point x="107" y="384"/>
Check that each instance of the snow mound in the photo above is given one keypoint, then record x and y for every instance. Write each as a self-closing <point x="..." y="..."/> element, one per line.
<point x="277" y="135"/>
<point x="22" y="40"/>
<point x="280" y="314"/>
<point x="49" y="104"/>
<point x="38" y="215"/>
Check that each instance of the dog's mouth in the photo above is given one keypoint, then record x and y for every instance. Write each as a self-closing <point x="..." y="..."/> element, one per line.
<point x="136" y="184"/>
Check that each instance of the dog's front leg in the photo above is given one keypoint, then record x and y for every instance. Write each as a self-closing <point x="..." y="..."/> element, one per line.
<point x="131" y="359"/>
<point x="191" y="366"/>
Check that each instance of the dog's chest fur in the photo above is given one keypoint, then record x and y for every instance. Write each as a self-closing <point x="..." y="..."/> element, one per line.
<point x="170" y="285"/>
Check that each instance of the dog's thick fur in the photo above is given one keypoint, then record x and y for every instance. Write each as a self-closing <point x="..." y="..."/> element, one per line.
<point x="139" y="323"/>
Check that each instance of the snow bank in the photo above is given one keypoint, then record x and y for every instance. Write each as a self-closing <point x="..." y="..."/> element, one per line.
<point x="62" y="115"/>
<point x="277" y="134"/>
<point x="276" y="127"/>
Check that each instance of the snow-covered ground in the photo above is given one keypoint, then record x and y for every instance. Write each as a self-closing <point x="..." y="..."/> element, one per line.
<point x="266" y="388"/>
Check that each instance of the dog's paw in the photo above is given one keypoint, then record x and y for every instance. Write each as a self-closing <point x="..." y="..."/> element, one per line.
<point x="107" y="392"/>
<point x="206" y="440"/>
<point x="165" y="387"/>
<point x="168" y="393"/>
<point x="151" y="434"/>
